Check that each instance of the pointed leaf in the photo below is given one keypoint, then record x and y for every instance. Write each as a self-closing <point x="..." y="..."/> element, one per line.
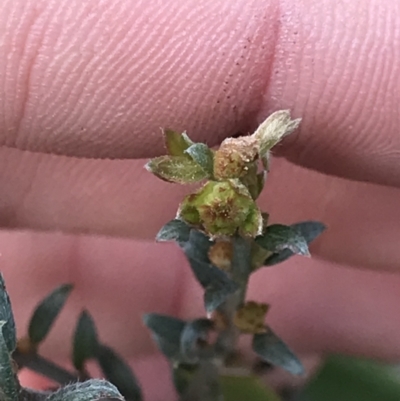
<point x="166" y="332"/>
<point x="218" y="292"/>
<point x="85" y="341"/>
<point x="217" y="284"/>
<point x="9" y="386"/>
<point x="178" y="169"/>
<point x="175" y="230"/>
<point x="176" y="143"/>
<point x="203" y="156"/>
<point x="241" y="388"/>
<point x="194" y="340"/>
<point x="119" y="373"/>
<point x="310" y="230"/>
<point x="7" y="316"/>
<point x="269" y="347"/>
<point x="46" y="313"/>
<point x="279" y="237"/>
<point x="90" y="390"/>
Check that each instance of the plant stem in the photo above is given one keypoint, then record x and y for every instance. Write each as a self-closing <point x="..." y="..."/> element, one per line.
<point x="44" y="367"/>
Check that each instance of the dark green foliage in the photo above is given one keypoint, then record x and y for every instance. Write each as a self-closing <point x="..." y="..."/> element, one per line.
<point x="166" y="332"/>
<point x="9" y="386"/>
<point x="278" y="237"/>
<point x="194" y="338"/>
<point x="46" y="313"/>
<point x="85" y="342"/>
<point x="118" y="372"/>
<point x="273" y="350"/>
<point x="217" y="284"/>
<point x="343" y="378"/>
<point x="175" y="230"/>
<point x="6" y="315"/>
<point x="309" y="230"/>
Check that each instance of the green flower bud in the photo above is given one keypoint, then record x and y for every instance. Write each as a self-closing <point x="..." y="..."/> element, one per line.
<point x="222" y="209"/>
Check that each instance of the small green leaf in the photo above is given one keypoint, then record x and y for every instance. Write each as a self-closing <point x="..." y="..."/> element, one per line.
<point x="7" y="316"/>
<point x="343" y="378"/>
<point x="46" y="313"/>
<point x="90" y="390"/>
<point x="269" y="347"/>
<point x="166" y="331"/>
<point x="241" y="388"/>
<point x="85" y="341"/>
<point x="175" y="230"/>
<point x="203" y="156"/>
<point x="176" y="143"/>
<point x="310" y="230"/>
<point x="279" y="237"/>
<point x="177" y="169"/>
<point x="9" y="385"/>
<point x="118" y="373"/>
<point x="194" y="340"/>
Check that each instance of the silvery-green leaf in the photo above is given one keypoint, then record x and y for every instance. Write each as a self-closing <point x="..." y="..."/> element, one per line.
<point x="269" y="347"/>
<point x="310" y="230"/>
<point x="218" y="286"/>
<point x="7" y="316"/>
<point x="279" y="237"/>
<point x="91" y="390"/>
<point x="203" y="156"/>
<point x="9" y="386"/>
<point x="174" y="230"/>
<point x="176" y="143"/>
<point x="85" y="342"/>
<point x="46" y="313"/>
<point x="194" y="333"/>
<point x="166" y="331"/>
<point x="177" y="169"/>
<point x="274" y="129"/>
<point x="117" y="371"/>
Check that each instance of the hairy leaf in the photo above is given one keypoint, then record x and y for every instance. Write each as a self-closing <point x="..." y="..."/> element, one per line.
<point x="279" y="237"/>
<point x="166" y="331"/>
<point x="194" y="340"/>
<point x="203" y="156"/>
<point x="85" y="343"/>
<point x="7" y="316"/>
<point x="46" y="313"/>
<point x="9" y="386"/>
<point x="218" y="286"/>
<point x="174" y="230"/>
<point x="91" y="390"/>
<point x="269" y="347"/>
<point x="119" y="373"/>
<point x="309" y="230"/>
<point x="177" y="169"/>
<point x="176" y="143"/>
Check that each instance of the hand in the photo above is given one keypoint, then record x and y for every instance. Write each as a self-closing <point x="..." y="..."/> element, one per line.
<point x="87" y="81"/>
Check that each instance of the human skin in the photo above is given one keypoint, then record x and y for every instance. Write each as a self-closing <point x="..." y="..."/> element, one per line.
<point x="85" y="88"/>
